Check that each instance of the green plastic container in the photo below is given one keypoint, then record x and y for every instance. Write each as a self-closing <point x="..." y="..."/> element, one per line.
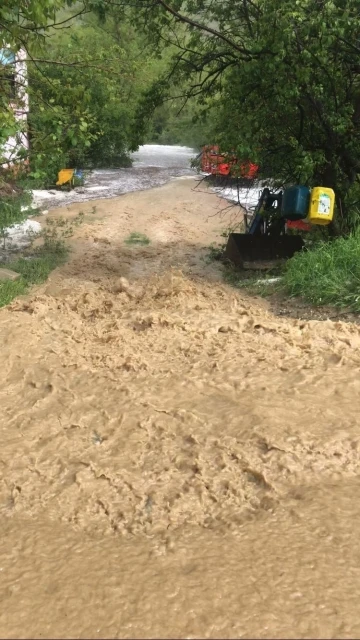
<point x="295" y="203"/>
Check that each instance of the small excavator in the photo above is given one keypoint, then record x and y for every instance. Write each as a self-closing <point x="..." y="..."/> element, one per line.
<point x="268" y="228"/>
<point x="267" y="236"/>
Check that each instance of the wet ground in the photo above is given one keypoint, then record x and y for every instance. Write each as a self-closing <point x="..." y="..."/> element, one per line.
<point x="153" y="165"/>
<point x="175" y="460"/>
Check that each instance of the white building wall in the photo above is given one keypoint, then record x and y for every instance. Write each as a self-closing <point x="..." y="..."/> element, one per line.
<point x="20" y="107"/>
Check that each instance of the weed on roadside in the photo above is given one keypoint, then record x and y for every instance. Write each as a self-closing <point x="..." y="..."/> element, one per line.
<point x="10" y="290"/>
<point x="36" y="265"/>
<point x="61" y="228"/>
<point x="137" y="238"/>
<point x="34" y="269"/>
<point x="215" y="253"/>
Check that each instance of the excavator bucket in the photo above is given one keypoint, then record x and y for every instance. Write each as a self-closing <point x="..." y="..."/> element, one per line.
<point x="252" y="251"/>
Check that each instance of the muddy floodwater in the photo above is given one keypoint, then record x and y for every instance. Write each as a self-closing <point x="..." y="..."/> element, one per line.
<point x="152" y="165"/>
<point x="175" y="460"/>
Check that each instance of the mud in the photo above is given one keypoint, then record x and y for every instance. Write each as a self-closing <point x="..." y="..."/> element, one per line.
<point x="176" y="461"/>
<point x="281" y="305"/>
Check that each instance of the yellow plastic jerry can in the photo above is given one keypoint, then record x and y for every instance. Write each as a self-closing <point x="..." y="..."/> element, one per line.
<point x="322" y="202"/>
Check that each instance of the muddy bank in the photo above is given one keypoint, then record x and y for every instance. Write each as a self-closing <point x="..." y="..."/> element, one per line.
<point x="176" y="461"/>
<point x="281" y="305"/>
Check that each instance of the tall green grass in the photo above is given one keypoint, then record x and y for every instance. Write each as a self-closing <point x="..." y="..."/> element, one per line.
<point x="327" y="274"/>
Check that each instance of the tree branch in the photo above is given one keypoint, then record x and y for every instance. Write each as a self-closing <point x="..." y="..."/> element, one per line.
<point x="201" y="27"/>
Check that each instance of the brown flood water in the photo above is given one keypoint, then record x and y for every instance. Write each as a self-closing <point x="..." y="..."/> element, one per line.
<point x="175" y="460"/>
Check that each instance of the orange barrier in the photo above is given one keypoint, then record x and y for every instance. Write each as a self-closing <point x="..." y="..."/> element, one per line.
<point x="217" y="164"/>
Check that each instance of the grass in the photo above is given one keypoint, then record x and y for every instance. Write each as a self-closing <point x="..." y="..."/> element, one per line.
<point x="10" y="290"/>
<point x="215" y="253"/>
<point x="329" y="274"/>
<point x="137" y="238"/>
<point x="36" y="266"/>
<point x="34" y="269"/>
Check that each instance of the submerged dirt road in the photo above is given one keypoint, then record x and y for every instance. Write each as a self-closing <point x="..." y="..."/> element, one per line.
<point x="175" y="461"/>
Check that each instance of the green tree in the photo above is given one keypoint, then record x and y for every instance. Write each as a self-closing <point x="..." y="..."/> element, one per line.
<point x="84" y="89"/>
<point x="282" y="79"/>
<point x="22" y="24"/>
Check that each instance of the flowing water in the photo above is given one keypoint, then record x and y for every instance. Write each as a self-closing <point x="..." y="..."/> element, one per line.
<point x="153" y="165"/>
<point x="175" y="461"/>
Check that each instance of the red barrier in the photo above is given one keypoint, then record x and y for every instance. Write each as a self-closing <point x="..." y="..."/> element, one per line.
<point x="220" y="165"/>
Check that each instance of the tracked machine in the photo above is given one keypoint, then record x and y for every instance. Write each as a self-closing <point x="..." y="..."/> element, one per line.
<point x="268" y="233"/>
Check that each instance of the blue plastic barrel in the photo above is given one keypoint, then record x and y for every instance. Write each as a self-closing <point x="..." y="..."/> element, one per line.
<point x="295" y="203"/>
